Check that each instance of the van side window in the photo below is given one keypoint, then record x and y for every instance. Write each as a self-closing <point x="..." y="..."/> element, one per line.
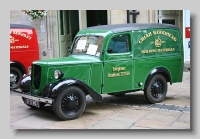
<point x="119" y="44"/>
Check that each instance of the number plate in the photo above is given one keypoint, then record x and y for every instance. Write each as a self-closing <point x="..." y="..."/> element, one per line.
<point x="32" y="102"/>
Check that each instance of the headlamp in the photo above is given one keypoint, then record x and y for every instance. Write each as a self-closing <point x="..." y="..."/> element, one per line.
<point x="58" y="74"/>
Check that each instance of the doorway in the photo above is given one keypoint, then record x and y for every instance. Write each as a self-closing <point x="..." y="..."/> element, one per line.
<point x="95" y="17"/>
<point x="68" y="26"/>
<point x="168" y="17"/>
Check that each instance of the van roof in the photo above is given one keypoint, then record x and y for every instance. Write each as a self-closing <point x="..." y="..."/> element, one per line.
<point x="130" y="27"/>
<point x="20" y="26"/>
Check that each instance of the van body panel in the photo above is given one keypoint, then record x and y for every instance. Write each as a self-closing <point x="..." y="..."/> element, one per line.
<point x="150" y="46"/>
<point x="157" y="48"/>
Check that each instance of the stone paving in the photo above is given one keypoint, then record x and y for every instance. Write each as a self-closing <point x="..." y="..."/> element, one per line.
<point x="128" y="112"/>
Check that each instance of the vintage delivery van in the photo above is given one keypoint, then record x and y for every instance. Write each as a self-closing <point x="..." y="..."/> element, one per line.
<point x="23" y="51"/>
<point x="108" y="59"/>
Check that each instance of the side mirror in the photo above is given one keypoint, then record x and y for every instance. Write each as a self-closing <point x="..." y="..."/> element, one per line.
<point x="109" y="50"/>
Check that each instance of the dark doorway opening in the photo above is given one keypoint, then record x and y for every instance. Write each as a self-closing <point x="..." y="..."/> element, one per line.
<point x="169" y="21"/>
<point x="95" y="17"/>
<point x="68" y="26"/>
<point x="74" y="22"/>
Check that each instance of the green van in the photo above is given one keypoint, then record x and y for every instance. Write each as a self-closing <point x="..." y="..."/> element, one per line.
<point x="108" y="59"/>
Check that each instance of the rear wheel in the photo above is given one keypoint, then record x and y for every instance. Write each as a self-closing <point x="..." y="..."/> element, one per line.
<point x="17" y="74"/>
<point x="70" y="104"/>
<point x="156" y="91"/>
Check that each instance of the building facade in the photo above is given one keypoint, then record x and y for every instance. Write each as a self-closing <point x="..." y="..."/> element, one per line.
<point x="57" y="30"/>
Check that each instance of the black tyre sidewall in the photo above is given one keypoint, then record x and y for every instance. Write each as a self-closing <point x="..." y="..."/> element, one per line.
<point x="19" y="78"/>
<point x="147" y="91"/>
<point x="57" y="103"/>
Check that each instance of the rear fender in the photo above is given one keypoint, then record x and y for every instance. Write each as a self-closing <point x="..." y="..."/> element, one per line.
<point x="159" y="70"/>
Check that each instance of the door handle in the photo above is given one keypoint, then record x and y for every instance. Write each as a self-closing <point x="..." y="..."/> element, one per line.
<point x="131" y="56"/>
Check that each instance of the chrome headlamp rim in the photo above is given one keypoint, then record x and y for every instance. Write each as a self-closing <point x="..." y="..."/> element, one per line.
<point x="58" y="74"/>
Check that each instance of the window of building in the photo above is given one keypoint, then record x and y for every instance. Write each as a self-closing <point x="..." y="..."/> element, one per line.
<point x="169" y="21"/>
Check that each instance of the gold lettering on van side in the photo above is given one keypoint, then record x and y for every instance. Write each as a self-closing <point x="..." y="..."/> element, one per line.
<point x="165" y="33"/>
<point x="157" y="50"/>
<point x="19" y="47"/>
<point x="118" y="68"/>
<point x="119" y="71"/>
<point x="21" y="34"/>
<point x="125" y="73"/>
<point x="113" y="74"/>
<point x="158" y="42"/>
<point x="118" y="74"/>
<point x="147" y="35"/>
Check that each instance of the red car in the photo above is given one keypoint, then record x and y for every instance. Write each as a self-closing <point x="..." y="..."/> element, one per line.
<point x="24" y="50"/>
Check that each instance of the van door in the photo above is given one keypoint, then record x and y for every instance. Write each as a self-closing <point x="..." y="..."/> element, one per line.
<point x="118" y="64"/>
<point x="65" y="35"/>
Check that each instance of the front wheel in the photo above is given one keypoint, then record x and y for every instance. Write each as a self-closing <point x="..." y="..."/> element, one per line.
<point x="17" y="77"/>
<point x="70" y="104"/>
<point x="156" y="91"/>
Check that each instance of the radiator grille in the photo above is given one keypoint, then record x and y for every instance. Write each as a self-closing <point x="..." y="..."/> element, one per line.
<point x="37" y="76"/>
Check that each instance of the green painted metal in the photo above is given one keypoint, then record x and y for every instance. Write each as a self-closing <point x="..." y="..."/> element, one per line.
<point x="114" y="72"/>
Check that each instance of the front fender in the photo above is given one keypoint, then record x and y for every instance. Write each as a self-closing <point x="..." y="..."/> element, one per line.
<point x="25" y="85"/>
<point x="55" y="89"/>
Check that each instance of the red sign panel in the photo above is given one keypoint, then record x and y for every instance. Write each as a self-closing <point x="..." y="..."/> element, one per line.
<point x="187" y="32"/>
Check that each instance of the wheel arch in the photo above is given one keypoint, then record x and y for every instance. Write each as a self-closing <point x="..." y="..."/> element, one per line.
<point x="159" y="70"/>
<point x="18" y="65"/>
<point x="56" y="89"/>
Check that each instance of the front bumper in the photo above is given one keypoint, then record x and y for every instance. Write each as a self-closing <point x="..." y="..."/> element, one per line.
<point x="36" y="98"/>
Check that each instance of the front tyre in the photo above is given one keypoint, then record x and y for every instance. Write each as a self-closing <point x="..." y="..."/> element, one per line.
<point x="70" y="104"/>
<point x="17" y="77"/>
<point x="156" y="91"/>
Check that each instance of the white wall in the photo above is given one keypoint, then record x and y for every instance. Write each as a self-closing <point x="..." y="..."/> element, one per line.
<point x="186" y="41"/>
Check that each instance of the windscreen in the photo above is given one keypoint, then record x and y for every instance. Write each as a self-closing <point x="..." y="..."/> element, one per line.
<point x="88" y="45"/>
